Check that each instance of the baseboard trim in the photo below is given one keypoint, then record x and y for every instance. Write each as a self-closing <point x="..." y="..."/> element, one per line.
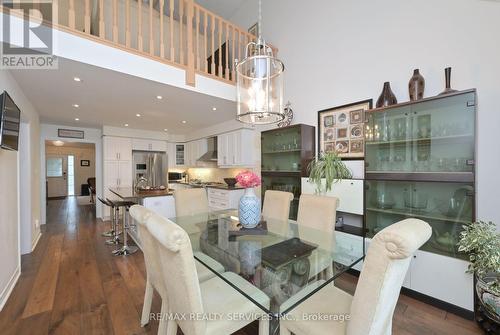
<point x="35" y="242"/>
<point x="4" y="296"/>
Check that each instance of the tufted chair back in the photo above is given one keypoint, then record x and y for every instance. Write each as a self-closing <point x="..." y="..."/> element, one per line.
<point x="276" y="205"/>
<point x="191" y="201"/>
<point x="382" y="276"/>
<point x="151" y="256"/>
<point x="178" y="271"/>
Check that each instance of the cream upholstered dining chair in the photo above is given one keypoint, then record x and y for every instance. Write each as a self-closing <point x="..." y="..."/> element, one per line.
<point x="276" y="205"/>
<point x="190" y="201"/>
<point x="154" y="278"/>
<point x="372" y="307"/>
<point x="319" y="213"/>
<point x="187" y="296"/>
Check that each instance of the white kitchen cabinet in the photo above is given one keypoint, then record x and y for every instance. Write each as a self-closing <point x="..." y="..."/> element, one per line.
<point x="348" y="191"/>
<point x="236" y="149"/>
<point x="176" y="155"/>
<point x="117" y="148"/>
<point x="149" y="145"/>
<point x="219" y="199"/>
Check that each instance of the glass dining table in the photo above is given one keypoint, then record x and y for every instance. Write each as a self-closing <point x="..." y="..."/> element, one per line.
<point x="286" y="261"/>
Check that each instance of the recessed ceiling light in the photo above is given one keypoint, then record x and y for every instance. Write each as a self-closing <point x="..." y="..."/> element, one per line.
<point x="58" y="143"/>
<point x="159" y="97"/>
<point x="138" y="115"/>
<point x="214" y="108"/>
<point x="76" y="105"/>
<point x="126" y="124"/>
<point x="165" y="129"/>
<point x="184" y="121"/>
<point x="77" y="79"/>
<point x="77" y="119"/>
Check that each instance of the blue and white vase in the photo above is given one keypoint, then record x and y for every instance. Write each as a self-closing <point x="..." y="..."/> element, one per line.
<point x="249" y="211"/>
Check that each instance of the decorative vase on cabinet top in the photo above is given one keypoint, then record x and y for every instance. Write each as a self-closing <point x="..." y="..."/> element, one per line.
<point x="387" y="97"/>
<point x="416" y="86"/>
<point x="249" y="209"/>
<point x="447" y="78"/>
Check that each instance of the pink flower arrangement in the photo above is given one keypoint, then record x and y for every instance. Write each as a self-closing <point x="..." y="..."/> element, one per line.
<point x="248" y="179"/>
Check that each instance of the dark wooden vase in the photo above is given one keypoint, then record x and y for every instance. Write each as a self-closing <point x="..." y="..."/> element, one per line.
<point x="416" y="86"/>
<point x="387" y="97"/>
<point x="447" y="77"/>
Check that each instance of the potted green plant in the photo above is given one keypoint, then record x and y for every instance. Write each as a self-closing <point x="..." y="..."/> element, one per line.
<point x="328" y="167"/>
<point x="481" y="241"/>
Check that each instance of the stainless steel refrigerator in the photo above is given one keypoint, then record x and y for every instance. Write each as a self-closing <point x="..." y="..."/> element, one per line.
<point x="153" y="166"/>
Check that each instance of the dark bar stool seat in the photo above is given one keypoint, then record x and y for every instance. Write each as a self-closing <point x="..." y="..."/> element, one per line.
<point x="125" y="249"/>
<point x="109" y="233"/>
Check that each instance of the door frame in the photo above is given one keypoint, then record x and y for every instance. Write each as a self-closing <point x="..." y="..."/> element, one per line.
<point x="48" y="132"/>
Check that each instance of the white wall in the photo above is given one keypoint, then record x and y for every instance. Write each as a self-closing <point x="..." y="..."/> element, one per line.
<point x="49" y="132"/>
<point x="338" y="51"/>
<point x="10" y="181"/>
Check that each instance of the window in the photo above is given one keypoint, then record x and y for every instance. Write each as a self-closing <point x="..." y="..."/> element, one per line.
<point x="54" y="167"/>
<point x="71" y="175"/>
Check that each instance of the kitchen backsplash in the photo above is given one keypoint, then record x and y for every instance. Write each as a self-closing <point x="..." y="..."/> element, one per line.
<point x="213" y="174"/>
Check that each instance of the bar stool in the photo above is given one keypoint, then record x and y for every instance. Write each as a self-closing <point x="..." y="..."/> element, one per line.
<point x="114" y="232"/>
<point x="125" y="249"/>
<point x="109" y="233"/>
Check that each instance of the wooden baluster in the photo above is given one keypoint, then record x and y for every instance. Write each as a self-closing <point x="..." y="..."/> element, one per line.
<point x="233" y="32"/>
<point x="212" y="59"/>
<point x="55" y="11"/>
<point x="87" y="17"/>
<point x="239" y="46"/>
<point x="102" y="32"/>
<point x="220" y="49"/>
<point x="205" y="32"/>
<point x="197" y="49"/>
<point x="181" y="28"/>
<point x="115" y="21"/>
<point x="127" y="23"/>
<point x="71" y="14"/>
<point x="162" y="37"/>
<point x="190" y="73"/>
<point x="151" y="37"/>
<point x="171" y="18"/>
<point x="139" y="25"/>
<point x="226" y="39"/>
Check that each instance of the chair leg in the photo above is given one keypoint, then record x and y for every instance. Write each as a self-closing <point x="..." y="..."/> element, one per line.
<point x="284" y="330"/>
<point x="171" y="327"/>
<point x="264" y="325"/>
<point x="164" y="322"/>
<point x="146" y="307"/>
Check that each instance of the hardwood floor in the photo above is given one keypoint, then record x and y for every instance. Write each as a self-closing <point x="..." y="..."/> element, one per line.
<point x="71" y="284"/>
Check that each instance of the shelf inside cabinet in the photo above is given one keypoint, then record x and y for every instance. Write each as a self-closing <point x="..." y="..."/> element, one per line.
<point x="460" y="177"/>
<point x="444" y="139"/>
<point x="353" y="230"/>
<point x="421" y="214"/>
<point x="281" y="151"/>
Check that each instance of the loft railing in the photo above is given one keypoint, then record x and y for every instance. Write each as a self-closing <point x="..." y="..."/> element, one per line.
<point x="176" y="32"/>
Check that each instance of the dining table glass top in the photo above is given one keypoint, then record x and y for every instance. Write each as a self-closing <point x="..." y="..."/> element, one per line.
<point x="287" y="262"/>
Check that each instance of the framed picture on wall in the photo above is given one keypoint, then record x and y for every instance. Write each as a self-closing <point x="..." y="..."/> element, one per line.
<point x="84" y="162"/>
<point x="341" y="129"/>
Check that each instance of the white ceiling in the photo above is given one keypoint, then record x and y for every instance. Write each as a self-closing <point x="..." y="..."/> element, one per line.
<point x="224" y="8"/>
<point x="111" y="98"/>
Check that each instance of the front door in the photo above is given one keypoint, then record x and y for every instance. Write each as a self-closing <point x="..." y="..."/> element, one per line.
<point x="56" y="170"/>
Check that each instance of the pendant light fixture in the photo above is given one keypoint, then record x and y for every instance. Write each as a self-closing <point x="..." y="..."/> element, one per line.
<point x="259" y="83"/>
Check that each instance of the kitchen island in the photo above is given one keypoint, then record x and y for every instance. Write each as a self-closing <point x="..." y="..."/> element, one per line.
<point x="161" y="202"/>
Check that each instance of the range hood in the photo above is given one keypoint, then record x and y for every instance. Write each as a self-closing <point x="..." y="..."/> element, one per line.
<point x="211" y="154"/>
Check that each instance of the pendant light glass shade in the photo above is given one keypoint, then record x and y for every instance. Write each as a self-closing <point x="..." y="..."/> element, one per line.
<point x="259" y="85"/>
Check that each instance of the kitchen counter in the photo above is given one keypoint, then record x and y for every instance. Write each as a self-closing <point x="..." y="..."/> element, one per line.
<point x="129" y="193"/>
<point x="217" y="186"/>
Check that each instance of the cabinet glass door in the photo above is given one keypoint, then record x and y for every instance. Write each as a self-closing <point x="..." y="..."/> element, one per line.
<point x="281" y="150"/>
<point x="285" y="184"/>
<point x="435" y="136"/>
<point x="445" y="206"/>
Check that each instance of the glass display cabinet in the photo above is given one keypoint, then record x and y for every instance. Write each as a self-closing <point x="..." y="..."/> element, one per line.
<point x="286" y="152"/>
<point x="419" y="162"/>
